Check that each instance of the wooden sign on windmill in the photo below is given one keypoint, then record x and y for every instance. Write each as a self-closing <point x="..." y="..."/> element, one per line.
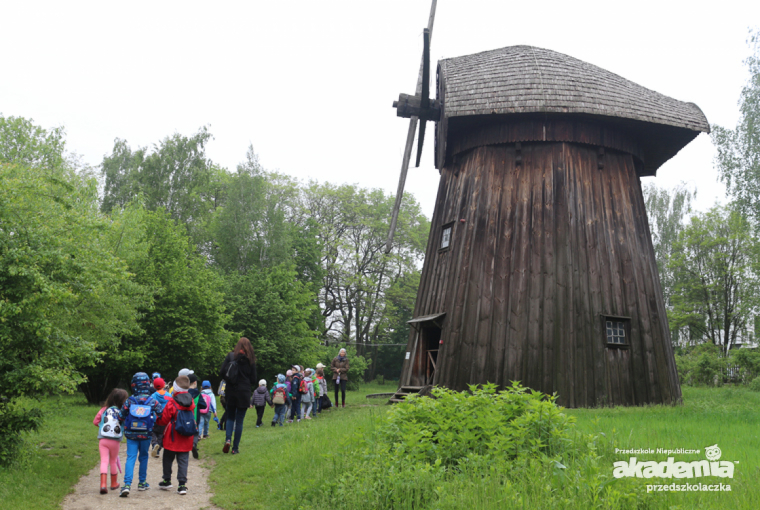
<point x="539" y="266"/>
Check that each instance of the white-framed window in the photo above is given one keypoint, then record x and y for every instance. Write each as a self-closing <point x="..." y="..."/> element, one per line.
<point x="446" y="232"/>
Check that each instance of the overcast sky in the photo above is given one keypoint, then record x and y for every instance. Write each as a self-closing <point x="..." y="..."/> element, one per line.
<point x="310" y="84"/>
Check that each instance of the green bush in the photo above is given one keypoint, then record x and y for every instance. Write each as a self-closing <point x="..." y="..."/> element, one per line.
<point x="427" y="451"/>
<point x="454" y="426"/>
<point x="755" y="384"/>
<point x="15" y="419"/>
<point x="700" y="365"/>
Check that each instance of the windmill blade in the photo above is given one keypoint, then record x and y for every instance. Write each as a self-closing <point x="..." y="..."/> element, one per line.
<point x="420" y="139"/>
<point x="425" y="92"/>
<point x="427" y="36"/>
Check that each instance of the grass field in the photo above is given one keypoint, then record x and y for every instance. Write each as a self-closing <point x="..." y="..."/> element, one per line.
<point x="288" y="466"/>
<point x="65" y="448"/>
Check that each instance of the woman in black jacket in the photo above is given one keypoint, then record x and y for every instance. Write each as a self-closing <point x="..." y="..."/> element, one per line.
<point x="238" y="392"/>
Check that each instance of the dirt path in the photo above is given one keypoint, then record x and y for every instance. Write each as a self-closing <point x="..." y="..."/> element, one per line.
<point x="87" y="495"/>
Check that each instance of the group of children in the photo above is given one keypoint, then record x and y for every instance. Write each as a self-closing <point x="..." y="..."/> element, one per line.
<point x="296" y="388"/>
<point x="154" y="419"/>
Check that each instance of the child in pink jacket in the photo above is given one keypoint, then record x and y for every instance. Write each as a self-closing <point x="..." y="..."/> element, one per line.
<point x="109" y="436"/>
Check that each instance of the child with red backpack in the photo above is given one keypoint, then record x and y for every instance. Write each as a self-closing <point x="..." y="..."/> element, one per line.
<point x="207" y="394"/>
<point x="181" y="429"/>
<point x="139" y="414"/>
<point x="280" y="399"/>
<point x="110" y="432"/>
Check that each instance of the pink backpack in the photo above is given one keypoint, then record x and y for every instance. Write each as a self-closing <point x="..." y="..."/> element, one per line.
<point x="207" y="398"/>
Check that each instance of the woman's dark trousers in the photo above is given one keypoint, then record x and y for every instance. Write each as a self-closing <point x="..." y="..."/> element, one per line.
<point x="235" y="417"/>
<point x="342" y="386"/>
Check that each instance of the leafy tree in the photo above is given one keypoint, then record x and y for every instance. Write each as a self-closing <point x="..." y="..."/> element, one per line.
<point x="356" y="271"/>
<point x="183" y="326"/>
<point x="175" y="176"/>
<point x="738" y="158"/>
<point x="399" y="304"/>
<point x="64" y="295"/>
<point x="253" y="227"/>
<point x="272" y="308"/>
<point x="666" y="210"/>
<point x="24" y="143"/>
<point x="716" y="267"/>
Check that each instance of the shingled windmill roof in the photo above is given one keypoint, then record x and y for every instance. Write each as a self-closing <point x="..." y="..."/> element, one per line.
<point x="527" y="81"/>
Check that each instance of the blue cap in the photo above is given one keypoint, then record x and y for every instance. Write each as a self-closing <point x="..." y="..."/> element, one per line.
<point x="155" y="375"/>
<point x="206" y="384"/>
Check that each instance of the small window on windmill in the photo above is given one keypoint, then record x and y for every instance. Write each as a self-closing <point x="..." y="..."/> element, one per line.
<point x="617" y="330"/>
<point x="446" y="232"/>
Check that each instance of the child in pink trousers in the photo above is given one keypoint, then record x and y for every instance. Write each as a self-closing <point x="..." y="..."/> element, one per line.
<point x="109" y="437"/>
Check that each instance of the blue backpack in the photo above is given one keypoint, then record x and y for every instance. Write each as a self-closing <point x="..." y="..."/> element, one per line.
<point x="141" y="417"/>
<point x="184" y="421"/>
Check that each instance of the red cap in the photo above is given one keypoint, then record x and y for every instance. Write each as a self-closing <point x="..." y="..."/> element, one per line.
<point x="158" y="383"/>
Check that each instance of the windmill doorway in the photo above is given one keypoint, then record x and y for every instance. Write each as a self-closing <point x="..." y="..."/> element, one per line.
<point x="427" y="346"/>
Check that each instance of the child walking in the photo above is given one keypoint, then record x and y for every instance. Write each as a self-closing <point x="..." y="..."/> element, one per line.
<point x="200" y="405"/>
<point x="110" y="432"/>
<point x="322" y="383"/>
<point x="307" y="399"/>
<point x="179" y="419"/>
<point x="158" y="430"/>
<point x="138" y="414"/>
<point x="207" y="394"/>
<point x="296" y="395"/>
<point x="259" y="400"/>
<point x="280" y="399"/>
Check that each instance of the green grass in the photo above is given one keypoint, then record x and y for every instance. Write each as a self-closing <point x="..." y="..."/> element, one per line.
<point x="313" y="452"/>
<point x="727" y="416"/>
<point x="62" y="450"/>
<point x="262" y="476"/>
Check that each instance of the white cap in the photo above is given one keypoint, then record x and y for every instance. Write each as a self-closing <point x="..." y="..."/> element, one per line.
<point x="263" y="382"/>
<point x="320" y="365"/>
<point x="186" y="371"/>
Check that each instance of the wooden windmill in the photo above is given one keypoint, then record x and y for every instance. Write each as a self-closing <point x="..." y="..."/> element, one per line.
<point x="539" y="266"/>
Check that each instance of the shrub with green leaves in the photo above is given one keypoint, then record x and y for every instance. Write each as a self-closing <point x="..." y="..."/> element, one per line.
<point x="453" y="426"/>
<point x="755" y="384"/>
<point x="427" y="451"/>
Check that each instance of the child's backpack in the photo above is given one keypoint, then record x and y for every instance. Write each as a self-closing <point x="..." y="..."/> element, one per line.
<point x="279" y="396"/>
<point x="303" y="387"/>
<point x="207" y="399"/>
<point x="184" y="421"/>
<point x="141" y="418"/>
<point x="326" y="404"/>
<point x="109" y="424"/>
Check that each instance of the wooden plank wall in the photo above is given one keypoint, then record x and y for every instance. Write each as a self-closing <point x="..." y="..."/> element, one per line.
<point x="546" y="247"/>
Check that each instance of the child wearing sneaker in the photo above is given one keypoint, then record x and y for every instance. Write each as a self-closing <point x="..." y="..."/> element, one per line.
<point x="138" y="414"/>
<point x="280" y="398"/>
<point x="179" y="420"/>
<point x="207" y="394"/>
<point x="110" y="432"/>
<point x="158" y="431"/>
